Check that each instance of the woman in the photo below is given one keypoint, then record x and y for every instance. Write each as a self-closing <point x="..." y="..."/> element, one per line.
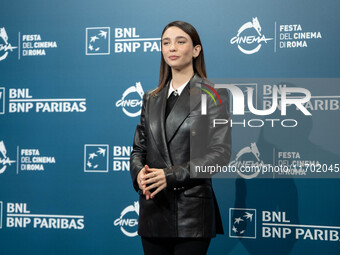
<point x="178" y="213"/>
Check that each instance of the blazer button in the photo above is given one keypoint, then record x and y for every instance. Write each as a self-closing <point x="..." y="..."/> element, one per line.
<point x="193" y="132"/>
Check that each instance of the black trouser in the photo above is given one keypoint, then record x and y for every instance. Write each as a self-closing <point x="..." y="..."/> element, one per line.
<point x="175" y="246"/>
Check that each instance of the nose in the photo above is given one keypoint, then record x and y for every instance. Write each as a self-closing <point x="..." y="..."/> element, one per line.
<point x="172" y="47"/>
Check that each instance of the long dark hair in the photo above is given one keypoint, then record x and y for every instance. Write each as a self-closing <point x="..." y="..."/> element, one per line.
<point x="198" y="62"/>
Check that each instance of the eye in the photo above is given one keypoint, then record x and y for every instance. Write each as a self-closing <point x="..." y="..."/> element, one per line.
<point x="165" y="43"/>
<point x="181" y="42"/>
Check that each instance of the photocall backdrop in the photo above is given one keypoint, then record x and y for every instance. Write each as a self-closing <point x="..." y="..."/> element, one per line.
<point x="72" y="76"/>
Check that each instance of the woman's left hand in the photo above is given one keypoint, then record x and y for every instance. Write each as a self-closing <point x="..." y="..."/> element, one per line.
<point x="155" y="178"/>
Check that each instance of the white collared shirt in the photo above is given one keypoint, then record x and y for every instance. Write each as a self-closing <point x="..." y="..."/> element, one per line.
<point x="179" y="90"/>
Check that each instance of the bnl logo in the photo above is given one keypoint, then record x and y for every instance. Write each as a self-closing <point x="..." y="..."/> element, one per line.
<point x="96" y="158"/>
<point x="121" y="158"/>
<point x="97" y="41"/>
<point x="242" y="223"/>
<point x="2" y="100"/>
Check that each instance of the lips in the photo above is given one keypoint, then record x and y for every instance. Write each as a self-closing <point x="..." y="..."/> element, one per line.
<point x="174" y="57"/>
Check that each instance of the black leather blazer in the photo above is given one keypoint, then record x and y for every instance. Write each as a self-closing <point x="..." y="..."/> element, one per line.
<point x="187" y="207"/>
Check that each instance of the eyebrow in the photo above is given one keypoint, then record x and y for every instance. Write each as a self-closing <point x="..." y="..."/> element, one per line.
<point x="177" y="37"/>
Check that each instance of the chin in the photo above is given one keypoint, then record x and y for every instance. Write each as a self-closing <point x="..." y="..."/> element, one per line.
<point x="179" y="67"/>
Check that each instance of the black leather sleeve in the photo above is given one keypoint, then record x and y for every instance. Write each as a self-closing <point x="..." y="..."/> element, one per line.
<point x="138" y="154"/>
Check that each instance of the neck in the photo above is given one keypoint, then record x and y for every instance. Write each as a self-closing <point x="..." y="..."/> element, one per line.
<point x="179" y="77"/>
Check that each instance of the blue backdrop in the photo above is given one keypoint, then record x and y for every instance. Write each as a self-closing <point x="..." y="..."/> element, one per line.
<point x="72" y="74"/>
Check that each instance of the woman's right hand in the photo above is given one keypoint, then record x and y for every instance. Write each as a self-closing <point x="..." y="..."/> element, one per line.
<point x="140" y="179"/>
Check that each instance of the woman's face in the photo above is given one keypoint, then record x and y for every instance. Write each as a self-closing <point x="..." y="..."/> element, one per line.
<point x="177" y="48"/>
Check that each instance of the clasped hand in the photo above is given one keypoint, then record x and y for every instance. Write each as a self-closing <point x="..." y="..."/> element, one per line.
<point x="154" y="178"/>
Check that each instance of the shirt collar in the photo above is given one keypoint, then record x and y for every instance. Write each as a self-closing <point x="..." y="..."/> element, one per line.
<point x="179" y="90"/>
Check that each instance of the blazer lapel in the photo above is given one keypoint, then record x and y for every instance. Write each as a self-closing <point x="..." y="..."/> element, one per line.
<point x="187" y="101"/>
<point x="156" y="118"/>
